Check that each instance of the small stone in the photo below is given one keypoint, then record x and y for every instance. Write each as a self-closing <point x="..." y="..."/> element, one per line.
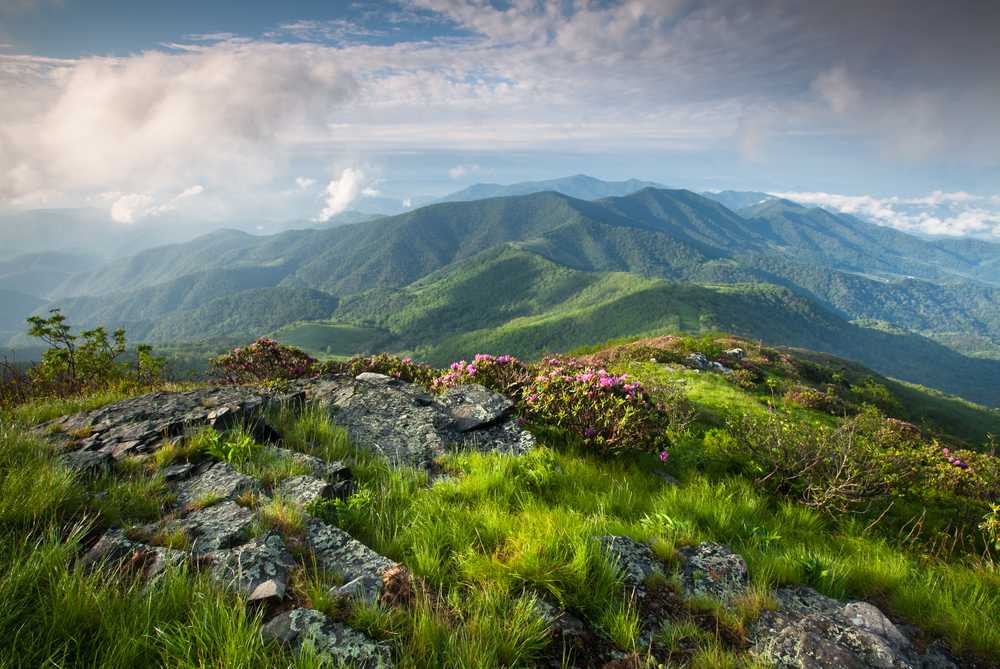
<point x="636" y="561"/>
<point x="665" y="476"/>
<point x="257" y="569"/>
<point x="339" y="552"/>
<point x="177" y="472"/>
<point x="712" y="570"/>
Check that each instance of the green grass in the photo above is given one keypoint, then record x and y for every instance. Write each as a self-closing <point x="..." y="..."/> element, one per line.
<point x="326" y="341"/>
<point x="484" y="543"/>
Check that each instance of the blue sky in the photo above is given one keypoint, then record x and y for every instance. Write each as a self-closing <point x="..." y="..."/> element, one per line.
<point x="303" y="109"/>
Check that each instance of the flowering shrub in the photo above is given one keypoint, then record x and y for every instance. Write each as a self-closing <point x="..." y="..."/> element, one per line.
<point x="610" y="414"/>
<point x="262" y="363"/>
<point x="404" y="370"/>
<point x="506" y="375"/>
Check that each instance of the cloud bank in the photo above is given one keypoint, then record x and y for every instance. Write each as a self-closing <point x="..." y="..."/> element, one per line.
<point x="939" y="214"/>
<point x="913" y="81"/>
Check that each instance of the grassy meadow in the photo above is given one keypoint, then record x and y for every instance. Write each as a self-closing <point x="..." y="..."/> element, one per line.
<point x="485" y="543"/>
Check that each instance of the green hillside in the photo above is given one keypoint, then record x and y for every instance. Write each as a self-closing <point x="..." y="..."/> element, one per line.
<point x="545" y="265"/>
<point x="251" y="313"/>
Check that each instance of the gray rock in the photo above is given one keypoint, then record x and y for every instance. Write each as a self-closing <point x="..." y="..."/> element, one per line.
<point x="339" y="552"/>
<point x="364" y="589"/>
<point x="88" y="463"/>
<point x="177" y="472"/>
<point x="698" y="361"/>
<point x="665" y="476"/>
<point x="114" y="551"/>
<point x="803" y="598"/>
<point x="337" y="641"/>
<point x="393" y="419"/>
<point x="305" y="489"/>
<point x="221" y="526"/>
<point x="938" y="656"/>
<point x="473" y="406"/>
<point x="636" y="561"/>
<point x="561" y="623"/>
<point x="221" y="481"/>
<point x="811" y="631"/>
<point x="712" y="570"/>
<point x="257" y="569"/>
<point x="139" y="424"/>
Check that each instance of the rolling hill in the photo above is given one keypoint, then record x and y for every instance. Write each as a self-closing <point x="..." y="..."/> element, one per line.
<point x="453" y="270"/>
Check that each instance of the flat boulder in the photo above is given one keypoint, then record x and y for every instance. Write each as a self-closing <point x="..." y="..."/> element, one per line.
<point x="220" y="482"/>
<point x="216" y="527"/>
<point x="361" y="568"/>
<point x="811" y="631"/>
<point x="340" y="643"/>
<point x="137" y="425"/>
<point x="400" y="422"/>
<point x="712" y="570"/>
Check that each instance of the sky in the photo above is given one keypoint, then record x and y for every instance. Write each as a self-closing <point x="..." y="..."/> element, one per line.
<point x="250" y="109"/>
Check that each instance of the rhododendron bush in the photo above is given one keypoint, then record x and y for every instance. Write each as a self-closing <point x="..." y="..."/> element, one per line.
<point x="263" y="362"/>
<point x="607" y="413"/>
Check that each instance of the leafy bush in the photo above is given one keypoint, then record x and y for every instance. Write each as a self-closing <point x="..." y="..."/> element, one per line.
<point x="71" y="366"/>
<point x="811" y="398"/>
<point x="835" y="470"/>
<point x="265" y="362"/>
<point x="404" y="370"/>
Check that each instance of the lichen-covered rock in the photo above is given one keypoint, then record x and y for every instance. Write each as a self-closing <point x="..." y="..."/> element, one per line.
<point x="257" y="569"/>
<point x="712" y="570"/>
<point x="305" y="489"/>
<point x="473" y="406"/>
<point x="139" y="424"/>
<point x="115" y="552"/>
<point x="363" y="590"/>
<point x="221" y="481"/>
<point x="635" y="560"/>
<point x="811" y="631"/>
<point x="339" y="642"/>
<point x="400" y="422"/>
<point x="338" y="551"/>
<point x="88" y="463"/>
<point x="221" y="526"/>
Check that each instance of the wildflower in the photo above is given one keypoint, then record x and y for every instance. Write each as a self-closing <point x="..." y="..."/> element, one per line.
<point x="664" y="455"/>
<point x="591" y="432"/>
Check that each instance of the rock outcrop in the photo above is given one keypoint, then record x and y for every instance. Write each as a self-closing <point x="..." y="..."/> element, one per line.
<point x="408" y="427"/>
<point x="811" y="631"/>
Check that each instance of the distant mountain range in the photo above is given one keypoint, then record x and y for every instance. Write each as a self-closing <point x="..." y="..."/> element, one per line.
<point x="519" y="273"/>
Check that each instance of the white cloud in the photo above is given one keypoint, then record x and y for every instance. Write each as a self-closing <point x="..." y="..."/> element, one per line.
<point x="341" y="193"/>
<point x="130" y="207"/>
<point x="460" y="171"/>
<point x="304" y="182"/>
<point x="188" y="192"/>
<point x="948" y="214"/>
<point x="213" y="113"/>
<point x="368" y="191"/>
<point x="407" y="203"/>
